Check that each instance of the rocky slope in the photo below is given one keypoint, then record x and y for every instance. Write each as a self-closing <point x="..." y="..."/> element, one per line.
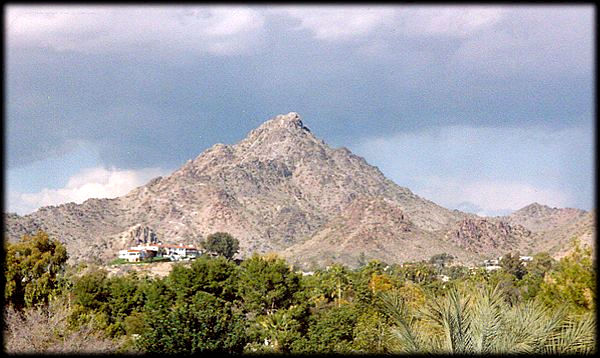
<point x="371" y="228"/>
<point x="488" y="236"/>
<point x="553" y="228"/>
<point x="279" y="189"/>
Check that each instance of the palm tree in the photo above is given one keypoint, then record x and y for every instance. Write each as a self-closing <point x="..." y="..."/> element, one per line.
<point x="478" y="320"/>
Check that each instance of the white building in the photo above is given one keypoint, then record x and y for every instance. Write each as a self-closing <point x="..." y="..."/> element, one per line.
<point x="178" y="252"/>
<point x="174" y="252"/>
<point x="133" y="255"/>
<point x="492" y="268"/>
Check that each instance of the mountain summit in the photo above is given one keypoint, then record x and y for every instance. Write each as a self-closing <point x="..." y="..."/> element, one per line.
<point x="279" y="189"/>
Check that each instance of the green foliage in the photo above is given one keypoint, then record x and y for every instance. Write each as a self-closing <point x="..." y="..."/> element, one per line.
<point x="263" y="306"/>
<point x="477" y="319"/>
<point x="281" y="328"/>
<point x="205" y="323"/>
<point x="213" y="275"/>
<point x="513" y="265"/>
<point x="530" y="284"/>
<point x="119" y="261"/>
<point x="572" y="283"/>
<point x="32" y="270"/>
<point x="267" y="285"/>
<point x="330" y="331"/>
<point x="134" y="323"/>
<point x="91" y="290"/>
<point x="333" y="284"/>
<point x="441" y="260"/>
<point x="126" y="295"/>
<point x="223" y="244"/>
<point x="371" y="333"/>
<point x="417" y="272"/>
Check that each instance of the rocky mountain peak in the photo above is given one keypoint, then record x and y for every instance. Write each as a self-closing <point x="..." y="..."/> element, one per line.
<point x="289" y="126"/>
<point x="290" y="117"/>
<point x="291" y="120"/>
<point x="534" y="208"/>
<point x="281" y="188"/>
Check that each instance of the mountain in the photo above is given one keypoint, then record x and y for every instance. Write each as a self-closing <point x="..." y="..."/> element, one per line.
<point x="489" y="236"/>
<point x="554" y="228"/>
<point x="279" y="189"/>
<point x="373" y="227"/>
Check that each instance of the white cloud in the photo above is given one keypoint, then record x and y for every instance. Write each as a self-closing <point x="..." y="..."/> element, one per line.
<point x="532" y="39"/>
<point x="495" y="169"/>
<point x="490" y="40"/>
<point x="343" y="23"/>
<point x="490" y="197"/>
<point x="89" y="183"/>
<point x="450" y="21"/>
<point x="106" y="29"/>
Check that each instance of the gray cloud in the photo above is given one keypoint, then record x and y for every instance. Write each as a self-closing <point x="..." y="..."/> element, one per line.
<point x="155" y="87"/>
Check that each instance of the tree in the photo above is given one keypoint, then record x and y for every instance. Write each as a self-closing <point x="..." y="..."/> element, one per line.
<point x="335" y="283"/>
<point x="572" y="283"/>
<point x="513" y="265"/>
<point x="531" y="283"/>
<point x="125" y="297"/>
<point x="223" y="244"/>
<point x="441" y="260"/>
<point x="267" y="285"/>
<point x="216" y="276"/>
<point x="417" y="272"/>
<point x="281" y="328"/>
<point x="204" y="323"/>
<point x="477" y="320"/>
<point x="330" y="331"/>
<point x="91" y="290"/>
<point x="33" y="270"/>
<point x="371" y="333"/>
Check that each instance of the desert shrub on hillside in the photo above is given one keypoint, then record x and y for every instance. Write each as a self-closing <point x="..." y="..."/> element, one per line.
<point x="46" y="330"/>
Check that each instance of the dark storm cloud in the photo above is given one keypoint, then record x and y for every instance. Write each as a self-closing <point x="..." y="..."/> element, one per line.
<point x="162" y="105"/>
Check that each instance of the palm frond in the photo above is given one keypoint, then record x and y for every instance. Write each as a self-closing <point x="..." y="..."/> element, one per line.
<point x="394" y="306"/>
<point x="574" y="336"/>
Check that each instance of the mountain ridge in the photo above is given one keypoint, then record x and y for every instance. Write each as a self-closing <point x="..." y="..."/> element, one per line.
<point x="276" y="190"/>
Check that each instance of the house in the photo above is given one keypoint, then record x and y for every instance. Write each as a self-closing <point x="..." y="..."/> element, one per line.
<point x="174" y="252"/>
<point x="133" y="255"/>
<point x="525" y="259"/>
<point x="178" y="252"/>
<point x="492" y="265"/>
<point x="491" y="262"/>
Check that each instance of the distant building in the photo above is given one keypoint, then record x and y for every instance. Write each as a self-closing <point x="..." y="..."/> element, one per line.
<point x="172" y="251"/>
<point x="494" y="264"/>
<point x="133" y="255"/>
<point x="492" y="268"/>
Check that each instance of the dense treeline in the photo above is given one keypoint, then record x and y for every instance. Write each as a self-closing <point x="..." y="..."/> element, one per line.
<point x="265" y="305"/>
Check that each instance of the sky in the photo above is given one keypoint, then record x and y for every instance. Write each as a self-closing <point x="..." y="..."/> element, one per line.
<point x="485" y="109"/>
